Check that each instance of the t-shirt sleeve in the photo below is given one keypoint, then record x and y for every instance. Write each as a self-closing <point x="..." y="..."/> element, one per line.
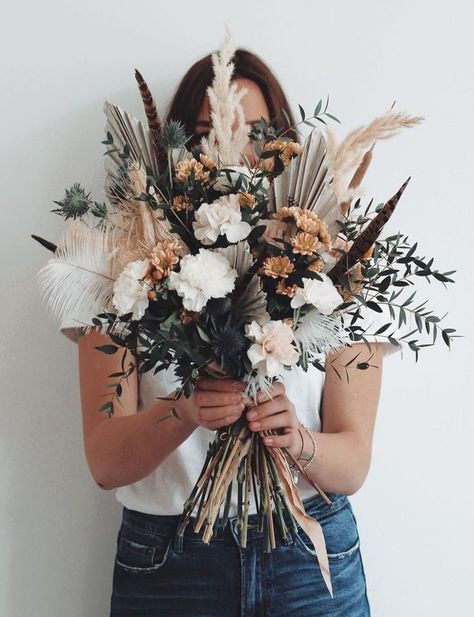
<point x="72" y="326"/>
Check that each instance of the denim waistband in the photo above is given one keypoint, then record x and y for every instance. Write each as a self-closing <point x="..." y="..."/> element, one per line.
<point x="167" y="524"/>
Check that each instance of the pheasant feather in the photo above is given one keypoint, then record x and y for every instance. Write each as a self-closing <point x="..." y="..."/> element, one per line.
<point x="367" y="237"/>
<point x="154" y="122"/>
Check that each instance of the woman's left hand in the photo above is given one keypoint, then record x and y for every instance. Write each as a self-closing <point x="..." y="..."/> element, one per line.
<point x="276" y="412"/>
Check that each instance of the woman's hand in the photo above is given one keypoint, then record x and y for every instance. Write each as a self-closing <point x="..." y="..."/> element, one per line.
<point x="277" y="412"/>
<point x="214" y="403"/>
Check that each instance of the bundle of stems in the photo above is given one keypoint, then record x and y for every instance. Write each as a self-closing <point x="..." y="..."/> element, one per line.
<point x="237" y="453"/>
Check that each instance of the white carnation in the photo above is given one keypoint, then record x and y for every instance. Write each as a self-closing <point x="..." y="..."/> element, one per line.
<point x="201" y="277"/>
<point x="129" y="292"/>
<point x="321" y="294"/>
<point x="221" y="217"/>
<point x="273" y="347"/>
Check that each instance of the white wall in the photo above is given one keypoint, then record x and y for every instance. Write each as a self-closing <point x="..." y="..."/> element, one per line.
<point x="60" y="60"/>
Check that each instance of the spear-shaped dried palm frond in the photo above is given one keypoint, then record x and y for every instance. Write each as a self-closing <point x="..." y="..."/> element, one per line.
<point x="347" y="156"/>
<point x="251" y="303"/>
<point x="367" y="237"/>
<point x="154" y="121"/>
<point x="79" y="279"/>
<point x="130" y="132"/>
<point x="223" y="144"/>
<point x="306" y="182"/>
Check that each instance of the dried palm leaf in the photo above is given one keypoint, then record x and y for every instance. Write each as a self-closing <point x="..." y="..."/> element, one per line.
<point x="251" y="301"/>
<point x="125" y="130"/>
<point x="306" y="182"/>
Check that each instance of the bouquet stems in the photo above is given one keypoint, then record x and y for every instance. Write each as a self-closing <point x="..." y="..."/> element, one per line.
<point x="238" y="453"/>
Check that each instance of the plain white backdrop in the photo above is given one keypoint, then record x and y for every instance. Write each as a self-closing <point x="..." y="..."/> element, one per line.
<point x="59" y="61"/>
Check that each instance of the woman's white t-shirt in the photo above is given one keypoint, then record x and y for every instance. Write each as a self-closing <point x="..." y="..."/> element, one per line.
<point x="167" y="487"/>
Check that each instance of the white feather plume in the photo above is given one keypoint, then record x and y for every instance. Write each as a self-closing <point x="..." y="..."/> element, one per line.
<point x="78" y="280"/>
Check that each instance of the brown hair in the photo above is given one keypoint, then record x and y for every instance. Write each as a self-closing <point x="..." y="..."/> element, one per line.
<point x="190" y="93"/>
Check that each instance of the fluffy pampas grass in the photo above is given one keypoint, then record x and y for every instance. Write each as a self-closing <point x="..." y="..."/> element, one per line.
<point x="223" y="144"/>
<point x="347" y="156"/>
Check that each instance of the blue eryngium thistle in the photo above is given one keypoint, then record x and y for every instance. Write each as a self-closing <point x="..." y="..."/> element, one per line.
<point x="173" y="135"/>
<point x="75" y="203"/>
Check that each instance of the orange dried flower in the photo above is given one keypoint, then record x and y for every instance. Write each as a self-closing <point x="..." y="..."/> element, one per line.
<point x="288" y="212"/>
<point x="207" y="161"/>
<point x="183" y="170"/>
<point x="266" y="164"/>
<point x="304" y="243"/>
<point x="287" y="149"/>
<point x="316" y="266"/>
<point x="308" y="223"/>
<point x="181" y="202"/>
<point x="286" y="290"/>
<point x="247" y="199"/>
<point x="278" y="267"/>
<point x="163" y="257"/>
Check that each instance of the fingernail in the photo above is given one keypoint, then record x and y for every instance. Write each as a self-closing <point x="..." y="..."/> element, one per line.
<point x="261" y="396"/>
<point x="251" y="415"/>
<point x="255" y="425"/>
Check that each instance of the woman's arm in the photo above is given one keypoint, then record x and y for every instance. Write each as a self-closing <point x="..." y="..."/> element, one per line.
<point x="348" y="412"/>
<point x="344" y="447"/>
<point x="128" y="446"/>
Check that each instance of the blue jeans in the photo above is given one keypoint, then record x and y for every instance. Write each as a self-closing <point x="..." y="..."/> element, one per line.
<point x="154" y="576"/>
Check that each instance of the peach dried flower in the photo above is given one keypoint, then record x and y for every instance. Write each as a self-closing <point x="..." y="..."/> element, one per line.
<point x="278" y="267"/>
<point x="207" y="161"/>
<point x="304" y="243"/>
<point x="286" y="290"/>
<point x="181" y="202"/>
<point x="247" y="199"/>
<point x="183" y="170"/>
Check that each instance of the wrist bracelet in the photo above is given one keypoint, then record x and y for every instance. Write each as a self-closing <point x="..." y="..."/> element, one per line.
<point x="309" y="461"/>
<point x="302" y="447"/>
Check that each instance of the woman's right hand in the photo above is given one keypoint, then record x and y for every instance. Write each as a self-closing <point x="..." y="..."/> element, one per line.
<point x="213" y="404"/>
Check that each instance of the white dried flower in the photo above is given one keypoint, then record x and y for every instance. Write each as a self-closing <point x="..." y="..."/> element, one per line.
<point x="221" y="217"/>
<point x="130" y="292"/>
<point x="273" y="347"/>
<point x="201" y="277"/>
<point x="321" y="294"/>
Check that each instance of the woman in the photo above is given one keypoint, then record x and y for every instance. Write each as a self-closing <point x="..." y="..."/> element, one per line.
<point x="154" y="464"/>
